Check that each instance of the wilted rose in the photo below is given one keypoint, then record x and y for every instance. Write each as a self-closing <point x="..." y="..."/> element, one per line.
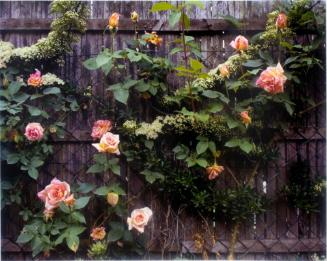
<point x="139" y="219"/>
<point x="281" y="21"/>
<point x="134" y="17"/>
<point x="100" y="127"/>
<point x="272" y="79"/>
<point x="246" y="119"/>
<point x="223" y="70"/>
<point x="214" y="171"/>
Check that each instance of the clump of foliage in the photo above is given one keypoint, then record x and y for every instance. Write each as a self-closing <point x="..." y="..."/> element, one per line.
<point x="304" y="191"/>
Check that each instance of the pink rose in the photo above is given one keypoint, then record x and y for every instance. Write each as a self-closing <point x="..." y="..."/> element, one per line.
<point x="281" y="21"/>
<point x="108" y="143"/>
<point x="139" y="219"/>
<point x="56" y="192"/>
<point x="246" y="119"/>
<point x="100" y="127"/>
<point x="35" y="79"/>
<point x="272" y="79"/>
<point x="214" y="171"/>
<point x="34" y="131"/>
<point x="240" y="43"/>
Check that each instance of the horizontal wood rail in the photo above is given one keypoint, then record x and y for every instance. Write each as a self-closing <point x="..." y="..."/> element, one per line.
<point x="125" y="25"/>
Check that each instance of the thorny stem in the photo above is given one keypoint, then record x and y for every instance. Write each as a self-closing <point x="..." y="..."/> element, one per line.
<point x="233" y="239"/>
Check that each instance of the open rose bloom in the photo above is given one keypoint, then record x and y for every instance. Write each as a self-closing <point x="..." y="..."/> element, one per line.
<point x="34" y="131"/>
<point x="214" y="171"/>
<point x="113" y="21"/>
<point x="240" y="43"/>
<point x="272" y="79"/>
<point x="35" y="79"/>
<point x="139" y="219"/>
<point x="98" y="233"/>
<point x="100" y="127"/>
<point x="108" y="143"/>
<point x="223" y="70"/>
<point x="154" y="39"/>
<point x="56" y="192"/>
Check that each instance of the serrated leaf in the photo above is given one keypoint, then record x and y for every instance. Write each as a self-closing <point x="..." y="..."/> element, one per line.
<point x="72" y="242"/>
<point x="202" y="162"/>
<point x="102" y="191"/>
<point x="24" y="237"/>
<point x="201" y="147"/>
<point x="81" y="202"/>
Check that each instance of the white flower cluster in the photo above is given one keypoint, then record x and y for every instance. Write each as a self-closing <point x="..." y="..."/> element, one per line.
<point x="26" y="53"/>
<point x="51" y="79"/>
<point x="150" y="130"/>
<point x="130" y="125"/>
<point x="6" y="50"/>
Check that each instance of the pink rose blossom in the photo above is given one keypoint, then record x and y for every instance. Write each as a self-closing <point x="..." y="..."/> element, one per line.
<point x="56" y="192"/>
<point x="34" y="131"/>
<point x="272" y="79"/>
<point x="108" y="143"/>
<point x="139" y="219"/>
<point x="100" y="127"/>
<point x="240" y="43"/>
<point x="35" y="79"/>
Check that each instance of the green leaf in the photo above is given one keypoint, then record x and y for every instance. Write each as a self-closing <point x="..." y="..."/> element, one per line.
<point x="64" y="208"/>
<point x="215" y="107"/>
<point x="202" y="162"/>
<point x="79" y="217"/>
<point x="91" y="64"/>
<point x="201" y="147"/>
<point x="121" y="95"/>
<point x="210" y="94"/>
<point x="33" y="173"/>
<point x="186" y="20"/>
<point x="24" y="237"/>
<point x="232" y="143"/>
<point x="149" y="144"/>
<point x="253" y="63"/>
<point x="75" y="230"/>
<point x="212" y="147"/>
<point x="51" y="90"/>
<point x="102" y="59"/>
<point x="34" y="111"/>
<point x="289" y="109"/>
<point x="161" y="6"/>
<point x="245" y="145"/>
<point x="117" y="189"/>
<point x="102" y="191"/>
<point x="152" y="176"/>
<point x="14" y="87"/>
<point x="106" y="68"/>
<point x="85" y="187"/>
<point x="72" y="242"/>
<point x="231" y="123"/>
<point x="174" y="18"/>
<point x="96" y="168"/>
<point x="20" y="97"/>
<point x="13" y="158"/>
<point x="196" y="65"/>
<point x="115" y="234"/>
<point x="81" y="202"/>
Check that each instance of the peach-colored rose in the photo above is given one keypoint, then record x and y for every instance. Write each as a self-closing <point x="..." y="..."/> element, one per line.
<point x="272" y="79"/>
<point x="34" y="131"/>
<point x="56" y="192"/>
<point x="154" y="39"/>
<point x="139" y="219"/>
<point x="246" y="119"/>
<point x="214" y="171"/>
<point x="70" y="201"/>
<point x="100" y="127"/>
<point x="98" y="233"/>
<point x="223" y="70"/>
<point x="108" y="143"/>
<point x="281" y="21"/>
<point x="112" y="199"/>
<point x="113" y="21"/>
<point x="240" y="43"/>
<point x="35" y="79"/>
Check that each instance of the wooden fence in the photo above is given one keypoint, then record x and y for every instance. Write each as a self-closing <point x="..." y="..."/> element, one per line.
<point x="280" y="233"/>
